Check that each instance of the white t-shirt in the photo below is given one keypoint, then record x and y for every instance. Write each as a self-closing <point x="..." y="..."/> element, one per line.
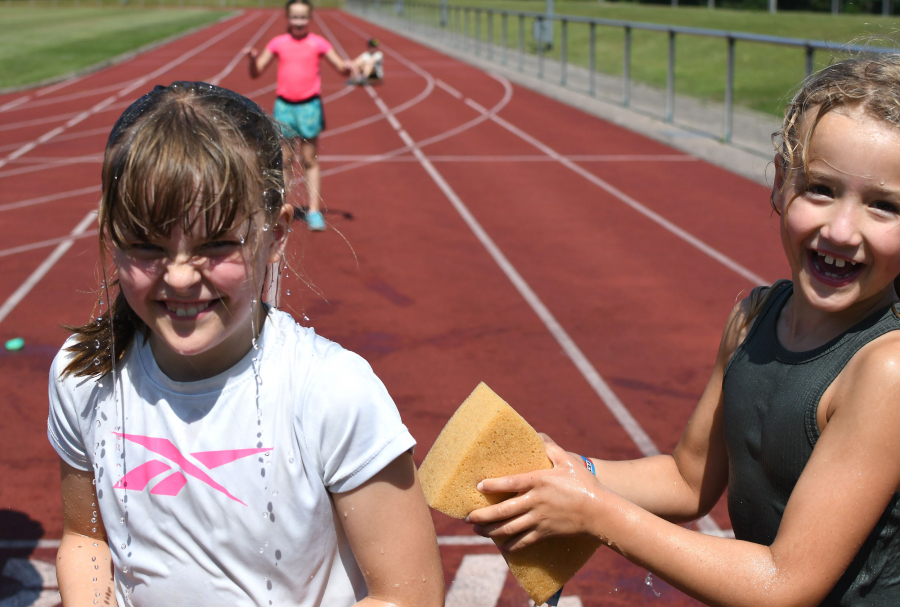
<point x="205" y="502"/>
<point x="378" y="58"/>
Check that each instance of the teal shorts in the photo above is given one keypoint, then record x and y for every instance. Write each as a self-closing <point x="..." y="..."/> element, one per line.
<point x="304" y="119"/>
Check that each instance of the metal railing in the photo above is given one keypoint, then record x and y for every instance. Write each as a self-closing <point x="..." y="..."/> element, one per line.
<point x="454" y="21"/>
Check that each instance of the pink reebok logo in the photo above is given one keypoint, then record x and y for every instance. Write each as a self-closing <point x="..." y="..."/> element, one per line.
<point x="140" y="477"/>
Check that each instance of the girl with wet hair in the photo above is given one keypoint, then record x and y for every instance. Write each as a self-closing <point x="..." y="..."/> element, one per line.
<point x="799" y="419"/>
<point x="212" y="451"/>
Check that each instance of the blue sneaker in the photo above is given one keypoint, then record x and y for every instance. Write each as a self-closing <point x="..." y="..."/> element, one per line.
<point x="315" y="221"/>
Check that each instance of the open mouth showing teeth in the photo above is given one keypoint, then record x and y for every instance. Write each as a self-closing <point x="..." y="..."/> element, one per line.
<point x="839" y="270"/>
<point x="187" y="309"/>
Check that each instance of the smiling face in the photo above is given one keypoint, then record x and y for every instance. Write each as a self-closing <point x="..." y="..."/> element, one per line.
<point x="199" y="296"/>
<point x="840" y="221"/>
<point x="298" y="16"/>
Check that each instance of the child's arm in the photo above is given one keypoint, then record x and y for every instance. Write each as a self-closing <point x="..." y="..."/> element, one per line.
<point x="389" y="528"/>
<point x="83" y="554"/>
<point x="259" y="62"/>
<point x="850" y="478"/>
<point x="340" y="65"/>
<point x="684" y="486"/>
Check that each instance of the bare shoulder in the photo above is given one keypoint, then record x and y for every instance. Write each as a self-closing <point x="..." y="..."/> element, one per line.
<point x="870" y="383"/>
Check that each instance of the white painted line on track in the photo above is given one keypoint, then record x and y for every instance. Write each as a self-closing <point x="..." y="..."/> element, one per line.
<point x="130" y="88"/>
<point x="215" y="80"/>
<point x="49" y="198"/>
<point x="48" y="263"/>
<point x="618" y="409"/>
<point x="449" y="89"/>
<point x="479" y="581"/>
<point x="684" y="235"/>
<point x="68" y="137"/>
<point x="429" y="87"/>
<point x="50" y="165"/>
<point x="508" y="159"/>
<point x="44" y="243"/>
<point x="72" y="96"/>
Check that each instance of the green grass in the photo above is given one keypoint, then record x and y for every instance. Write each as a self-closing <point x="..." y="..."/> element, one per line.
<point x="765" y="75"/>
<point x="37" y="43"/>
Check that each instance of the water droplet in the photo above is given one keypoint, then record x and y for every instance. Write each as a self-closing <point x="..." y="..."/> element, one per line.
<point x="260" y="550"/>
<point x="93" y="558"/>
<point x="288" y="291"/>
<point x="124" y="546"/>
<point x="95" y="579"/>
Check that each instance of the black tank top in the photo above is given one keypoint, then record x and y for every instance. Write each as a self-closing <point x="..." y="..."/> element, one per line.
<point x="771" y="396"/>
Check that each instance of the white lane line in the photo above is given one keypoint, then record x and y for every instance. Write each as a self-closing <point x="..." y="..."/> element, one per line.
<point x="449" y="89"/>
<point x="48" y="263"/>
<point x="43" y="243"/>
<point x="70" y="96"/>
<point x="26" y="544"/>
<point x="479" y="581"/>
<point x="68" y="137"/>
<point x="44" y="91"/>
<point x="429" y="87"/>
<point x="618" y="409"/>
<point x="684" y="235"/>
<point x="129" y="89"/>
<point x="50" y="165"/>
<point x="49" y="198"/>
<point x="507" y="159"/>
<point x="215" y="80"/>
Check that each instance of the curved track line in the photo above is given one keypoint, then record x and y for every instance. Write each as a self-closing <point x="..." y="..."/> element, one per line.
<point x="609" y="398"/>
<point x="507" y="97"/>
<point x="127" y="90"/>
<point x="429" y="87"/>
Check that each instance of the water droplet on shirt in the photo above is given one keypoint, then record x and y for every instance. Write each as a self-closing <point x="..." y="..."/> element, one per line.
<point x="124" y="546"/>
<point x="269" y="587"/>
<point x="278" y="555"/>
<point x="260" y="550"/>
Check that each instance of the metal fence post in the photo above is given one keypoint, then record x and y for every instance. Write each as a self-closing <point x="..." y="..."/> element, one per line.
<point x="592" y="59"/>
<point x="490" y="33"/>
<point x="886" y="8"/>
<point x="504" y="27"/>
<point x="540" y="43"/>
<point x="478" y="31"/>
<point x="521" y="41"/>
<point x="809" y="61"/>
<point x="626" y="69"/>
<point x="670" y="79"/>
<point x="563" y="52"/>
<point x="729" y="93"/>
<point x="466" y="28"/>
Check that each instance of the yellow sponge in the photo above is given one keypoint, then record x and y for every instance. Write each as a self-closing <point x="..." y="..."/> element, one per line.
<point x="486" y="438"/>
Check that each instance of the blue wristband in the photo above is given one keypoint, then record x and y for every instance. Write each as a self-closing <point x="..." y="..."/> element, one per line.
<point x="589" y="465"/>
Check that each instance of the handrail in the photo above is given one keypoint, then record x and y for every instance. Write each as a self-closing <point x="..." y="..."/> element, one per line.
<point x="455" y="21"/>
<point x="677" y="29"/>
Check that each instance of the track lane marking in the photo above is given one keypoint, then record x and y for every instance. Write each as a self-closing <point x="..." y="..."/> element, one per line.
<point x="616" y="407"/>
<point x="215" y="80"/>
<point x="13" y="300"/>
<point x="129" y="89"/>
<point x="48" y="198"/>
<point x="44" y="243"/>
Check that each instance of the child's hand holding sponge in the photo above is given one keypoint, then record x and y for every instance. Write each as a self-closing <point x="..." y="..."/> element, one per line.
<point x="486" y="438"/>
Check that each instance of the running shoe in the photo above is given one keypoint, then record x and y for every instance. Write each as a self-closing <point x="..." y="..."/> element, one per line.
<point x="315" y="221"/>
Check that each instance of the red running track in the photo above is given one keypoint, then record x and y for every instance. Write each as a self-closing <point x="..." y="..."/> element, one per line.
<point x="478" y="232"/>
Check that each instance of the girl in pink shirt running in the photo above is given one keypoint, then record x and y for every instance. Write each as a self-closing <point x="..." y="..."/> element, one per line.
<point x="299" y="105"/>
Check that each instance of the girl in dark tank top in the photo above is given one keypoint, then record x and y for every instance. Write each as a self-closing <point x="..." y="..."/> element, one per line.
<point x="800" y="418"/>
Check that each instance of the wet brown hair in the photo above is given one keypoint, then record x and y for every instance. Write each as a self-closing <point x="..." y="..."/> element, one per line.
<point x="868" y="83"/>
<point x="189" y="155"/>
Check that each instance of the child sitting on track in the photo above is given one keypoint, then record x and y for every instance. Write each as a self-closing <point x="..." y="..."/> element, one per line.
<point x="299" y="104"/>
<point x="800" y="417"/>
<point x="370" y="65"/>
<point x="213" y="452"/>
